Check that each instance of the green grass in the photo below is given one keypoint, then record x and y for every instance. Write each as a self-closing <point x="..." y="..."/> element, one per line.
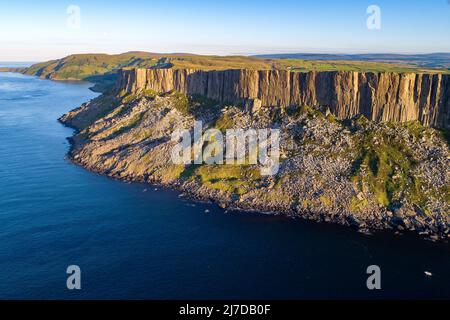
<point x="90" y="66"/>
<point x="130" y="98"/>
<point x="415" y="128"/>
<point x="234" y="179"/>
<point x="125" y="126"/>
<point x="385" y="167"/>
<point x="149" y="93"/>
<point x="357" y="205"/>
<point x="143" y="134"/>
<point x="180" y="102"/>
<point x="224" y="122"/>
<point x="102" y="68"/>
<point x="83" y="66"/>
<point x="310" y="112"/>
<point x="359" y="66"/>
<point x="327" y="202"/>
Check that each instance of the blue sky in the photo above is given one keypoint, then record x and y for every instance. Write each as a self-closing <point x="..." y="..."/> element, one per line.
<point x="38" y="30"/>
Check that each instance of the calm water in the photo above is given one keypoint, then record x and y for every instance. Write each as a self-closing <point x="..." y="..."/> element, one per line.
<point x="135" y="244"/>
<point x="14" y="64"/>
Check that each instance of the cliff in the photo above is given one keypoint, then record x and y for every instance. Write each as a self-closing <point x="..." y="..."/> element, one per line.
<point x="378" y="96"/>
<point x="361" y="173"/>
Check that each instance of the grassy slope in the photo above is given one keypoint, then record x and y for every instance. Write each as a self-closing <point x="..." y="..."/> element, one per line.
<point x="83" y="66"/>
<point x="87" y="66"/>
<point x="431" y="60"/>
<point x="93" y="66"/>
<point x="361" y="66"/>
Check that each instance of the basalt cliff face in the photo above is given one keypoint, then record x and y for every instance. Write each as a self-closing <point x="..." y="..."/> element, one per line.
<point x="371" y="175"/>
<point x="380" y="97"/>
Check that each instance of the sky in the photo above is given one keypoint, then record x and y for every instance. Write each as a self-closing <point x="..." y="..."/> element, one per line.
<point x="43" y="30"/>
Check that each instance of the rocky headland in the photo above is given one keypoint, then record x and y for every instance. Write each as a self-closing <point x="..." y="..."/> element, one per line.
<point x="378" y="96"/>
<point x="367" y="150"/>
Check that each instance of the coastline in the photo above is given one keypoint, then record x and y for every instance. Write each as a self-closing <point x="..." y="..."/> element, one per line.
<point x="224" y="204"/>
<point x="149" y="229"/>
<point x="380" y="219"/>
<point x="96" y="87"/>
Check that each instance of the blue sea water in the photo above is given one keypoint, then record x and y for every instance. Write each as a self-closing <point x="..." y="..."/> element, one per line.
<point x="7" y="64"/>
<point x="132" y="244"/>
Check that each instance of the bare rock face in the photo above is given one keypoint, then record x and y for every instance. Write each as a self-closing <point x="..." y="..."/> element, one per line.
<point x="253" y="105"/>
<point x="378" y="96"/>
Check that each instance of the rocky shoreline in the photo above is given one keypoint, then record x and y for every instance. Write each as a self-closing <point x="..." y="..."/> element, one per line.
<point x="398" y="225"/>
<point x="326" y="171"/>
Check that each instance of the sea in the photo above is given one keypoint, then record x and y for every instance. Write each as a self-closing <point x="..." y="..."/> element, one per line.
<point x="138" y="241"/>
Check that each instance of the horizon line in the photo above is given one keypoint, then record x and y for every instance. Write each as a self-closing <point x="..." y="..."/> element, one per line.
<point x="250" y="55"/>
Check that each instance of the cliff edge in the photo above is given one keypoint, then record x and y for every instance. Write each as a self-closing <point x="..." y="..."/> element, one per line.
<point x="381" y="97"/>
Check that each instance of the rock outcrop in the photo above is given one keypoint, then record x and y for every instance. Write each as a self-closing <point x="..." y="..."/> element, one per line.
<point x="361" y="173"/>
<point x="378" y="96"/>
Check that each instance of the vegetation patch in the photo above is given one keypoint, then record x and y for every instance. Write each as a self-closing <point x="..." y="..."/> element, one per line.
<point x="224" y="122"/>
<point x="385" y="167"/>
<point x="199" y="102"/>
<point x="305" y="110"/>
<point x="180" y="102"/>
<point x="415" y="128"/>
<point x="172" y="173"/>
<point x="123" y="126"/>
<point x="326" y="202"/>
<point x="143" y="134"/>
<point x="357" y="205"/>
<point x="233" y="179"/>
<point x="102" y="68"/>
<point x="301" y="65"/>
<point x="130" y="98"/>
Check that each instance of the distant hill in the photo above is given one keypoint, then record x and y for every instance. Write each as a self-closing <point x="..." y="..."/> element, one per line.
<point x="97" y="68"/>
<point x="85" y="66"/>
<point x="101" y="69"/>
<point x="432" y="60"/>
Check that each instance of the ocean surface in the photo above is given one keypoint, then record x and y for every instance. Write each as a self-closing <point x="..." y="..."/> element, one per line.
<point x="4" y="64"/>
<point x="132" y="244"/>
